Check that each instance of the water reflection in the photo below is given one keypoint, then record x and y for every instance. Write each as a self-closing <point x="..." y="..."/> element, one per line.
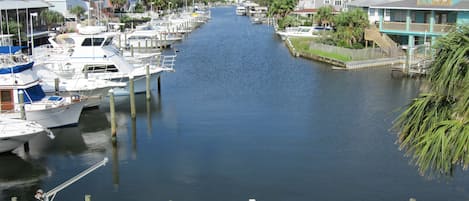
<point x="17" y="174"/>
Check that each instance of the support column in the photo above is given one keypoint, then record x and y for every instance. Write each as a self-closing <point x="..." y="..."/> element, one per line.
<point x="432" y="20"/>
<point x="410" y="53"/>
<point x="408" y="20"/>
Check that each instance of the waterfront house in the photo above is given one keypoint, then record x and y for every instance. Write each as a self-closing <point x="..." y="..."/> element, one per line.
<point x="20" y="11"/>
<point x="305" y="5"/>
<point x="367" y="6"/>
<point x="414" y="22"/>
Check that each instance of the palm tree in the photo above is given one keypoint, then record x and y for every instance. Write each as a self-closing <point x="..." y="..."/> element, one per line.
<point x="51" y="18"/>
<point x="78" y="11"/>
<point x="434" y="129"/>
<point x="324" y="16"/>
<point x="351" y="26"/>
<point x="281" y="8"/>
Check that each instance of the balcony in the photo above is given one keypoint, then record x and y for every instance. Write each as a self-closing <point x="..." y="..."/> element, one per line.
<point x="417" y="27"/>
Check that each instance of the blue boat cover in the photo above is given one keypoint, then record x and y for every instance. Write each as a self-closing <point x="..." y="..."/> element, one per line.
<point x="10" y="49"/>
<point x="32" y="94"/>
<point x="16" y="69"/>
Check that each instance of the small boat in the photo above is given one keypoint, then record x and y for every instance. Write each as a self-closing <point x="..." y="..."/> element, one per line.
<point x="302" y="31"/>
<point x="17" y="78"/>
<point x="16" y="132"/>
<point x="240" y="10"/>
<point x="92" y="56"/>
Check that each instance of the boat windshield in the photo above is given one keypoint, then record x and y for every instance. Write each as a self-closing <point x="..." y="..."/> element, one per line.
<point x="108" y="41"/>
<point x="92" y="42"/>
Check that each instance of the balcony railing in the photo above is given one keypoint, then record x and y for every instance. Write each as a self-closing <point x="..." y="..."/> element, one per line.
<point x="417" y="27"/>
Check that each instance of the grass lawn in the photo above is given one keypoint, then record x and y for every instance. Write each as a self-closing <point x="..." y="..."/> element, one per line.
<point x="302" y="45"/>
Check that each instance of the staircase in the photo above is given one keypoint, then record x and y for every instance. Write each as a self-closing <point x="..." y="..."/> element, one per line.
<point x="383" y="41"/>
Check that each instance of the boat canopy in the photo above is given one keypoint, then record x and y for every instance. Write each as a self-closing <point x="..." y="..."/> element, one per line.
<point x="17" y="68"/>
<point x="32" y="94"/>
<point x="10" y="49"/>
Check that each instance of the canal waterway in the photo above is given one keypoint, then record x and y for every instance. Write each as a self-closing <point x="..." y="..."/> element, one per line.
<point x="240" y="118"/>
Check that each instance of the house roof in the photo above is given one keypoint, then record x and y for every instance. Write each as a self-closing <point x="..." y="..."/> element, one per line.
<point x="304" y="11"/>
<point x="23" y="4"/>
<point x="368" y="3"/>
<point x="462" y="5"/>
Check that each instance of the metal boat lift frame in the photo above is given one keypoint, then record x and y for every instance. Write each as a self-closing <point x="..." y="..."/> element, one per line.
<point x="50" y="195"/>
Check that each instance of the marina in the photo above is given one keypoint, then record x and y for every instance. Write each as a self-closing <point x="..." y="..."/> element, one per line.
<point x="236" y="117"/>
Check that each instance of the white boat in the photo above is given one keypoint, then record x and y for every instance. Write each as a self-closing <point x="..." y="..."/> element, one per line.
<point x="74" y="56"/>
<point x="302" y="31"/>
<point x="150" y="38"/>
<point x="240" y="10"/>
<point x="49" y="111"/>
<point x="16" y="132"/>
<point x="90" y="90"/>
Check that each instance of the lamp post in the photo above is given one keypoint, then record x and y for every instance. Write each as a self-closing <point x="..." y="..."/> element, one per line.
<point x="31" y="15"/>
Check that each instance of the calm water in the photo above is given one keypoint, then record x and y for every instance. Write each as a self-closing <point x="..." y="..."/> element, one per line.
<point x="239" y="119"/>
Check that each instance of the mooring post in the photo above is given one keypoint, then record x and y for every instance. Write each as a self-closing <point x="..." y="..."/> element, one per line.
<point x="56" y="85"/>
<point x="125" y="39"/>
<point x="132" y="50"/>
<point x="21" y="101"/>
<point x="113" y="114"/>
<point x="132" y="96"/>
<point x="87" y="197"/>
<point x="159" y="84"/>
<point x="148" y="81"/>
<point x="120" y="41"/>
<point x="146" y="44"/>
<point x="121" y="51"/>
<point x="139" y="45"/>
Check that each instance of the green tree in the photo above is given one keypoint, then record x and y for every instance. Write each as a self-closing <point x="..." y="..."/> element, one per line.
<point x="118" y="4"/>
<point x="78" y="11"/>
<point x="434" y="129"/>
<point x="288" y="21"/>
<point x="350" y="27"/>
<point x="51" y="18"/>
<point x="281" y="8"/>
<point x="12" y="28"/>
<point x="324" y="16"/>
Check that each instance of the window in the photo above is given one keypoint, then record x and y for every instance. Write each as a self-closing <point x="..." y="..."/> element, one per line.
<point x="92" y="42"/>
<point x="387" y="13"/>
<point x="6" y="100"/>
<point x="108" y="41"/>
<point x="99" y="68"/>
<point x="338" y="2"/>
<point x="327" y="2"/>
<point x="372" y="12"/>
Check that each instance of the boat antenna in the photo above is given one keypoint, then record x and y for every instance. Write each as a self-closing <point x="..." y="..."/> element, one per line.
<point x="1" y="27"/>
<point x="8" y="31"/>
<point x="19" y="30"/>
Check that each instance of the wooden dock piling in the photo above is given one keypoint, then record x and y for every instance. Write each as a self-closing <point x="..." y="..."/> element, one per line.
<point x="113" y="114"/>
<point x="21" y="101"/>
<point x="131" y="50"/>
<point x="147" y="68"/>
<point x="159" y="84"/>
<point x="132" y="96"/>
<point x="56" y="86"/>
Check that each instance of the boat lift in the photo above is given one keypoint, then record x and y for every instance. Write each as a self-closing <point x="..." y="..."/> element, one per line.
<point x="50" y="195"/>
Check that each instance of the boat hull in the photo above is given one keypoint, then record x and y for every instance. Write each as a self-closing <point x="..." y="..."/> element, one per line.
<point x="57" y="117"/>
<point x="52" y="117"/>
<point x="10" y="143"/>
